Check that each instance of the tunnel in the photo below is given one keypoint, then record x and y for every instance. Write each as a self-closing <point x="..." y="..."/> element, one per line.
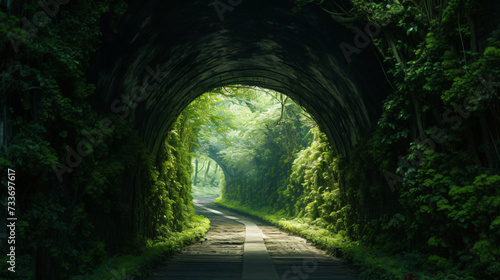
<point x="170" y="52"/>
<point x="98" y="138"/>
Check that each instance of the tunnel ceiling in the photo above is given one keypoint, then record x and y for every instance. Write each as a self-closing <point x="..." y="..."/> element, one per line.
<point x="259" y="43"/>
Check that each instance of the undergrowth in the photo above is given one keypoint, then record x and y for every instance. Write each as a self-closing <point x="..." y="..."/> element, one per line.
<point x="140" y="264"/>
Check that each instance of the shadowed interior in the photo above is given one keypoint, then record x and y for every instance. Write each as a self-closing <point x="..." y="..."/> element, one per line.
<point x="259" y="44"/>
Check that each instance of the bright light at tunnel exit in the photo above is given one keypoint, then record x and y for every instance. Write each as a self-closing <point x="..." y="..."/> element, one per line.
<point x="232" y="126"/>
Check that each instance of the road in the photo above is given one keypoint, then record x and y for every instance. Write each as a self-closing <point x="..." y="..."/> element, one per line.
<point x="238" y="247"/>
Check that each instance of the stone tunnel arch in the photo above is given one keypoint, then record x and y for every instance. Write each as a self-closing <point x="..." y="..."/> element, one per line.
<point x="259" y="43"/>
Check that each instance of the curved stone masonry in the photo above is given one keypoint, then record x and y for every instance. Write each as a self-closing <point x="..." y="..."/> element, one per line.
<point x="176" y="50"/>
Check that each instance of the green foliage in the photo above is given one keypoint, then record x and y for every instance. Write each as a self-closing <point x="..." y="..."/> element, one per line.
<point x="441" y="119"/>
<point x="247" y="131"/>
<point x="117" y="195"/>
<point x="436" y="133"/>
<point x="139" y="264"/>
<point x="206" y="178"/>
<point x="440" y="219"/>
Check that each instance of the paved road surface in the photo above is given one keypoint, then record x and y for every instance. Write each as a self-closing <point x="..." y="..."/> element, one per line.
<point x="238" y="247"/>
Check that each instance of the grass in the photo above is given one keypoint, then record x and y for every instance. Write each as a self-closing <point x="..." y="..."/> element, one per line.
<point x="131" y="266"/>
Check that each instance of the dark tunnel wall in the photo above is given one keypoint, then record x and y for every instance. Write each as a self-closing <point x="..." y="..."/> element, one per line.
<point x="258" y="43"/>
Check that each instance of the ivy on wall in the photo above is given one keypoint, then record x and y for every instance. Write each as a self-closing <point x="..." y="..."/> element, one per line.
<point x="424" y="185"/>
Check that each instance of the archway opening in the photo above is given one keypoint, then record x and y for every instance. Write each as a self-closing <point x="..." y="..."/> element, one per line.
<point x="177" y="59"/>
<point x="247" y="132"/>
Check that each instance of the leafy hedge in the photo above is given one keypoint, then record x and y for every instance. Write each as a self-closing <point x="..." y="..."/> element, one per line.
<point x="424" y="185"/>
<point x="330" y="197"/>
<point x="87" y="187"/>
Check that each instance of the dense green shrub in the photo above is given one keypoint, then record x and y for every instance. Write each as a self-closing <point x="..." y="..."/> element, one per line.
<point x="113" y="195"/>
<point x="424" y="184"/>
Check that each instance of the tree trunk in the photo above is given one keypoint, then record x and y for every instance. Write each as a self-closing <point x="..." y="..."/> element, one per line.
<point x="195" y="171"/>
<point x="214" y="175"/>
<point x="418" y="115"/>
<point x="473" y="34"/>
<point x="206" y="172"/>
